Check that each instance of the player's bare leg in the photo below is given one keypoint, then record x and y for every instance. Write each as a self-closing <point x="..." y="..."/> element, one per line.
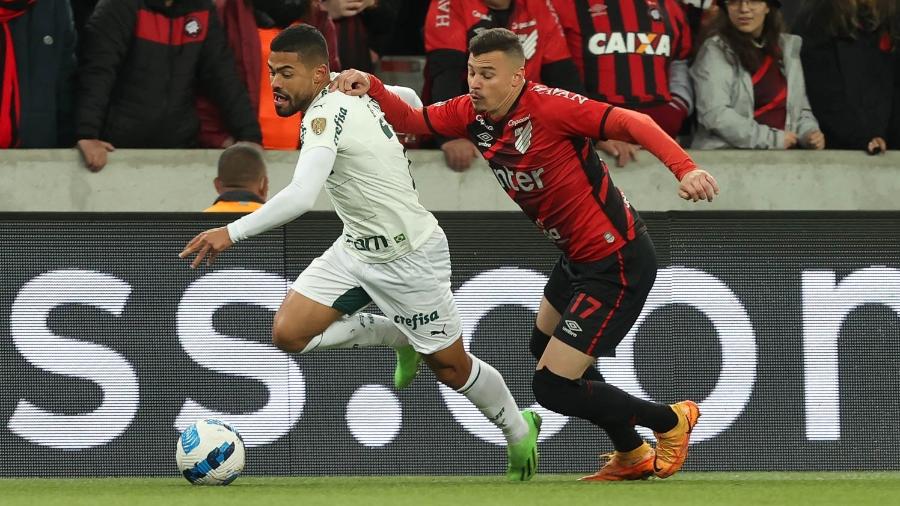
<point x="303" y="325"/>
<point x="485" y="388"/>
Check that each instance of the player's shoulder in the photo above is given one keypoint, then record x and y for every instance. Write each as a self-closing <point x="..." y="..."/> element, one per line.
<point x="544" y="97"/>
<point x="333" y="101"/>
<point x="461" y="104"/>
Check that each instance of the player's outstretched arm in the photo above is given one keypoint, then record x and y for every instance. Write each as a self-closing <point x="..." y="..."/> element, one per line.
<point x="298" y="197"/>
<point x="402" y="116"/>
<point x="695" y="183"/>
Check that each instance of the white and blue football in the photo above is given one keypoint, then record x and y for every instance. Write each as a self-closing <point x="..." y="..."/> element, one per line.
<point x="210" y="452"/>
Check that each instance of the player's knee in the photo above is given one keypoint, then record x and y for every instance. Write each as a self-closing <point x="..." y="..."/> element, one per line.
<point x="290" y="340"/>
<point x="538" y="342"/>
<point x="552" y="391"/>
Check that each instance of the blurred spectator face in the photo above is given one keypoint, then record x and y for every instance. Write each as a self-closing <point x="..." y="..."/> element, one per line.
<point x="748" y="16"/>
<point x="294" y="84"/>
<point x="494" y="79"/>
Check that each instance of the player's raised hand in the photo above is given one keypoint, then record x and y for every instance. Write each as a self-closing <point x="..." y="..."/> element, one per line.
<point x="352" y="82"/>
<point x="207" y="245"/>
<point x="698" y="185"/>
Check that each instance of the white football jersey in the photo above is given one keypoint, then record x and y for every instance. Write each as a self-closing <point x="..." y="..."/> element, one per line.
<point x="370" y="184"/>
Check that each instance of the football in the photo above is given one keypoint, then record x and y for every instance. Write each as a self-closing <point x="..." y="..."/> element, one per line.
<point x="210" y="452"/>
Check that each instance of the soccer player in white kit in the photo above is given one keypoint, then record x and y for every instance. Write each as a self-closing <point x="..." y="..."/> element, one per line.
<point x="392" y="251"/>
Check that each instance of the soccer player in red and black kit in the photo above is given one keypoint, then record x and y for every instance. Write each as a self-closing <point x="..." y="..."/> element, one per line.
<point x="537" y="141"/>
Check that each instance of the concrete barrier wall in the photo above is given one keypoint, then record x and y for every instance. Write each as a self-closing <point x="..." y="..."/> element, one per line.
<point x="170" y="180"/>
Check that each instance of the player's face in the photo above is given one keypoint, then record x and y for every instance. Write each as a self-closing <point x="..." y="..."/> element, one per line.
<point x="294" y="85"/>
<point x="748" y="16"/>
<point x="494" y="77"/>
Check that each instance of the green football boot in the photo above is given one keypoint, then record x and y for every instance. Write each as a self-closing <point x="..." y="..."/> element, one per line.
<point x="523" y="456"/>
<point x="407" y="368"/>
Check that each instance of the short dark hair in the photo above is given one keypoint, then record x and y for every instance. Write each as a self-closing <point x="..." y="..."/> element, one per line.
<point x="497" y="39"/>
<point x="304" y="40"/>
<point x="241" y="164"/>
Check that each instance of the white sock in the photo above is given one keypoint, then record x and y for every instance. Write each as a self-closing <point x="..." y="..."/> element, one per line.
<point x="486" y="389"/>
<point x="356" y="331"/>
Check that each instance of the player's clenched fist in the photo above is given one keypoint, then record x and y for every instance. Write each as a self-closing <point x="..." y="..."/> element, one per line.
<point x="207" y="245"/>
<point x="698" y="185"/>
<point x="352" y="82"/>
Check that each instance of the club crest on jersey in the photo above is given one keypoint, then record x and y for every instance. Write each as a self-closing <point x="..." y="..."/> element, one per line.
<point x="523" y="137"/>
<point x="318" y="125"/>
<point x="192" y="27"/>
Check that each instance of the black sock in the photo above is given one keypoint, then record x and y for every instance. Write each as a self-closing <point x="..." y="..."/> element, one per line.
<point x="538" y="344"/>
<point x="600" y="403"/>
<point x="623" y="436"/>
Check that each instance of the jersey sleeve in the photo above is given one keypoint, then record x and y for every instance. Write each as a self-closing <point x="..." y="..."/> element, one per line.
<point x="599" y="120"/>
<point x="445" y="27"/>
<point x="683" y="38"/>
<point x="449" y="118"/>
<point x="323" y="125"/>
<point x="581" y="117"/>
<point x="553" y="40"/>
<point x="568" y="20"/>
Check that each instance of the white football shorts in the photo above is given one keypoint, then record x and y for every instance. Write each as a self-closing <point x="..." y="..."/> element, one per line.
<point x="413" y="291"/>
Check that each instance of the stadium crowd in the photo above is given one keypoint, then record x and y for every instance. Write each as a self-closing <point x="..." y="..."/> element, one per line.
<point x="750" y="74"/>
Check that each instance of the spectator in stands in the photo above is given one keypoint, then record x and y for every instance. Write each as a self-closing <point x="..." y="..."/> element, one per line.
<point x="849" y="57"/>
<point x="699" y="14"/>
<point x="250" y="26"/>
<point x="749" y="83"/>
<point x="363" y="28"/>
<point x="450" y="24"/>
<point x="632" y="54"/>
<point x="142" y="61"/>
<point x="37" y="62"/>
<point x="242" y="183"/>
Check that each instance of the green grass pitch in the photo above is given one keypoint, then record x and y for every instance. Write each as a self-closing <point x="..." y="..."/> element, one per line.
<point x="688" y="488"/>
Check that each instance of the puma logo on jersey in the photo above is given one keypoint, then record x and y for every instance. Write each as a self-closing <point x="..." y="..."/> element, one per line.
<point x="653" y="44"/>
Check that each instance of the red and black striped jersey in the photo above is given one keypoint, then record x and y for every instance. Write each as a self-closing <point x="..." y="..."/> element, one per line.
<point x="623" y="47"/>
<point x="542" y="155"/>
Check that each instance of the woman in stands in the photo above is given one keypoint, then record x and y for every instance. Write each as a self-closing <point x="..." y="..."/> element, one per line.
<point x="749" y="82"/>
<point x="850" y="58"/>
